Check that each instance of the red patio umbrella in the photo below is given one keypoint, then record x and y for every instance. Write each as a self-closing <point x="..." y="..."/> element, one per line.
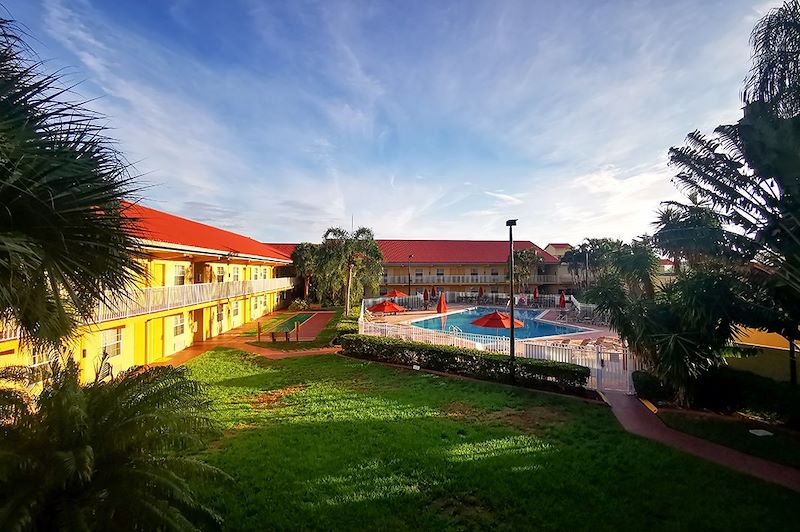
<point x="535" y="293"/>
<point x="433" y="292"/>
<point x="562" y="301"/>
<point x="396" y="293"/>
<point x="386" y="306"/>
<point x="441" y="307"/>
<point x="425" y="295"/>
<point x="480" y="291"/>
<point x="496" y="320"/>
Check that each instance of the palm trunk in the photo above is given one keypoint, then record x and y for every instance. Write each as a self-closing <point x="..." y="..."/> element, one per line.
<point x="306" y="286"/>
<point x="792" y="362"/>
<point x="347" y="296"/>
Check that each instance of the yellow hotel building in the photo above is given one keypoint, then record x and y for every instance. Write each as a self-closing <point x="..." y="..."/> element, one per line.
<point x="201" y="282"/>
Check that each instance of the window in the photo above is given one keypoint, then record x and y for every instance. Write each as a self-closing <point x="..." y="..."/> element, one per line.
<point x="235" y="311"/>
<point x="220" y="278"/>
<point x="111" y="342"/>
<point x="418" y="273"/>
<point x="473" y="272"/>
<point x="235" y="275"/>
<point x="495" y="272"/>
<point x="178" y="325"/>
<point x="180" y="275"/>
<point x="264" y="273"/>
<point x="494" y="290"/>
<point x="440" y="272"/>
<point x="383" y="291"/>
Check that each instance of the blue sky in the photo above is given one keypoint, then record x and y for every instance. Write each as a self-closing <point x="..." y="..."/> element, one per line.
<point x="418" y="119"/>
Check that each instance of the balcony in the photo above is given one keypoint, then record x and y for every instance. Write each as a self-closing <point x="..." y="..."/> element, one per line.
<point x="438" y="280"/>
<point x="157" y="299"/>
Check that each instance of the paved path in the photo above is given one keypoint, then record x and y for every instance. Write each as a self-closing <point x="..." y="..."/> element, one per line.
<point x="234" y="340"/>
<point x="637" y="419"/>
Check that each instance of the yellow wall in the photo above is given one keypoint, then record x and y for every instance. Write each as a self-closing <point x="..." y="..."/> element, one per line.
<point x="147" y="338"/>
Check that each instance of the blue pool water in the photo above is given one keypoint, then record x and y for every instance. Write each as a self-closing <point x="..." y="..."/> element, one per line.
<point x="532" y="328"/>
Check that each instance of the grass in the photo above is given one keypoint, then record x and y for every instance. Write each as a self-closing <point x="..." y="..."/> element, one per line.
<point x="783" y="447"/>
<point x="327" y="443"/>
<point x="323" y="339"/>
<point x="269" y="323"/>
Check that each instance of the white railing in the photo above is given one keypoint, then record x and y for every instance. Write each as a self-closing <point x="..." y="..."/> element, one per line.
<point x="409" y="302"/>
<point x="156" y="299"/>
<point x="611" y="367"/>
<point x="8" y="331"/>
<point x="436" y="280"/>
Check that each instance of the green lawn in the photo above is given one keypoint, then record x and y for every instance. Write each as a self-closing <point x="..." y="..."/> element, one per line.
<point x="323" y="339"/>
<point x="327" y="443"/>
<point x="783" y="447"/>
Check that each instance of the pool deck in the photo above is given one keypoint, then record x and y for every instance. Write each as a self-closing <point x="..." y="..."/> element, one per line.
<point x="551" y="315"/>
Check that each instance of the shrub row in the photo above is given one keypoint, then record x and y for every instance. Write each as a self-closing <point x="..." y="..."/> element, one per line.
<point x="727" y="390"/>
<point x="529" y="372"/>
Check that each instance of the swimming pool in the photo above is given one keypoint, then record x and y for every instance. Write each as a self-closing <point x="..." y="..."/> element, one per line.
<point x="532" y="328"/>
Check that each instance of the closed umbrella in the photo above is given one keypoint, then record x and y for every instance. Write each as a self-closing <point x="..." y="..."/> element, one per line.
<point x="480" y="292"/>
<point x="425" y="296"/>
<point x="562" y="301"/>
<point x="433" y="292"/>
<point x="536" y="293"/>
<point x="441" y="307"/>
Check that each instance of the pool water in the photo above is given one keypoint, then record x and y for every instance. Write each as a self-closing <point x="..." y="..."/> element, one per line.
<point x="532" y="328"/>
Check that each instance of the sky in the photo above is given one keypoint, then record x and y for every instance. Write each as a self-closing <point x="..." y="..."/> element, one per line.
<point x="417" y="119"/>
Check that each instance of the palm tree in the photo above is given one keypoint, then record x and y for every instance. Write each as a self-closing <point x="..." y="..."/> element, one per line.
<point x="305" y="257"/>
<point x="103" y="456"/>
<point x="526" y="262"/>
<point x="348" y="264"/>
<point x="65" y="240"/>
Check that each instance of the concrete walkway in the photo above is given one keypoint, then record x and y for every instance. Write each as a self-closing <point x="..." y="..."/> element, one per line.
<point x="637" y="419"/>
<point x="233" y="339"/>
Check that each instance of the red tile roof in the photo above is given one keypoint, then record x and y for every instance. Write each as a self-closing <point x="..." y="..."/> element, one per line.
<point x="286" y="249"/>
<point x="167" y="228"/>
<point x="454" y="251"/>
<point x="666" y="262"/>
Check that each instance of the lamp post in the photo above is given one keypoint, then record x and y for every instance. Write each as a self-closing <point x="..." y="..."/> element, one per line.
<point x="410" y="256"/>
<point x="512" y="351"/>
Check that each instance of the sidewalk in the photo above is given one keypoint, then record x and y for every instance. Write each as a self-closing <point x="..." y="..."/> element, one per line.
<point x="637" y="419"/>
<point x="233" y="339"/>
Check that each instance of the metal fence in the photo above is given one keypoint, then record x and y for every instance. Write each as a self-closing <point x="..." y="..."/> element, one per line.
<point x="611" y="367"/>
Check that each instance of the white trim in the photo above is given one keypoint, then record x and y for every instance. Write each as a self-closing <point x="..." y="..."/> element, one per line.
<point x="168" y="246"/>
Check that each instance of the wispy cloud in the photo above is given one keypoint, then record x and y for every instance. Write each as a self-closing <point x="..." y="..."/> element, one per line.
<point x="419" y="120"/>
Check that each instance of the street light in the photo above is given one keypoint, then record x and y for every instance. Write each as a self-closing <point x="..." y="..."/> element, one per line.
<point x="512" y="353"/>
<point x="410" y="256"/>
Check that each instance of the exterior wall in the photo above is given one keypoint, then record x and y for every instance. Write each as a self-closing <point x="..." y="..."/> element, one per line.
<point x="772" y="363"/>
<point x="149" y="337"/>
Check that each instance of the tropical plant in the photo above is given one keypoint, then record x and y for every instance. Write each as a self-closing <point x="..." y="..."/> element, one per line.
<point x="593" y="256"/>
<point x="65" y="239"/>
<point x="749" y="172"/>
<point x="305" y="259"/>
<point x="103" y="456"/>
<point x="526" y="262"/>
<point x="348" y="264"/>
<point x="690" y="232"/>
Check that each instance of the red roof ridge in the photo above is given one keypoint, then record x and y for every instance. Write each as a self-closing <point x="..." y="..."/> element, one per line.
<point x="160" y="226"/>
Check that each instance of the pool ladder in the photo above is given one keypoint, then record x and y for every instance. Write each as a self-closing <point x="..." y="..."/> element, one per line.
<point x="455" y="329"/>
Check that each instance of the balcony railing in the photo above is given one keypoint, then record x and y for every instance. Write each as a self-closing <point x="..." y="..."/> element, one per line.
<point x="437" y="280"/>
<point x="156" y="299"/>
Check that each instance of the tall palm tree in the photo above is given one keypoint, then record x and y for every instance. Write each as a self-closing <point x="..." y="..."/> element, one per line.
<point x="103" y="456"/>
<point x="65" y="240"/>
<point x="349" y="263"/>
<point x="526" y="262"/>
<point x="305" y="259"/>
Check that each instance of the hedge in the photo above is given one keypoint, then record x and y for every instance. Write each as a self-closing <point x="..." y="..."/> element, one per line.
<point x="529" y="372"/>
<point x="650" y="387"/>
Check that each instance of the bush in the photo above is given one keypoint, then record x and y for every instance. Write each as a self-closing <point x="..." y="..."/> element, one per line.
<point x="468" y="362"/>
<point x="299" y="304"/>
<point x="724" y="389"/>
<point x="344" y="327"/>
<point x="649" y="387"/>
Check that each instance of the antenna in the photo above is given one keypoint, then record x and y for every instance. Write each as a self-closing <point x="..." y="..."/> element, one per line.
<point x="352" y="223"/>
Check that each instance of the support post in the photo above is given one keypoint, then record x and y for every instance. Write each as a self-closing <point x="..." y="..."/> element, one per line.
<point x="512" y="348"/>
<point x="792" y="362"/>
<point x="297" y="331"/>
<point x="258" y="327"/>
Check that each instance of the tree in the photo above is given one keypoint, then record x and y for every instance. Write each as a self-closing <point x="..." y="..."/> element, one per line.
<point x="526" y="262"/>
<point x="305" y="259"/>
<point x="103" y="456"/>
<point x="65" y="239"/>
<point x="692" y="232"/>
<point x="593" y="256"/>
<point x="679" y="331"/>
<point x="348" y="264"/>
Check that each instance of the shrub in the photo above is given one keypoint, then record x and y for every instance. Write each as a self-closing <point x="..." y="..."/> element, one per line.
<point x="344" y="327"/>
<point x="724" y="389"/>
<point x="649" y="387"/>
<point x="299" y="304"/>
<point x="468" y="362"/>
